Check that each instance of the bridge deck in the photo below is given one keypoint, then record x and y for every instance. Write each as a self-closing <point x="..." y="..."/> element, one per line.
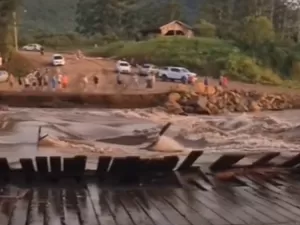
<point x="250" y="202"/>
<point x="163" y="191"/>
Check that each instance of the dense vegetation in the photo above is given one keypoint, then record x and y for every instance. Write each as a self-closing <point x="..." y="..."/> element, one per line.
<point x="253" y="40"/>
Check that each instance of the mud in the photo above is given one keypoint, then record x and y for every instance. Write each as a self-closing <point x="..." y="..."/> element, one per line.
<point x="71" y="100"/>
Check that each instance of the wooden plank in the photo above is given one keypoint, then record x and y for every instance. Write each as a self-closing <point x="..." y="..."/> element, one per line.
<point x="227" y="214"/>
<point x="226" y="162"/>
<point x="170" y="213"/>
<point x="70" y="207"/>
<point x="69" y="168"/>
<point x="35" y="215"/>
<point x="126" y="169"/>
<point x="112" y="201"/>
<point x="27" y="167"/>
<point x="278" y="197"/>
<point x="55" y="165"/>
<point x="5" y="205"/>
<point x="156" y="215"/>
<point x="4" y="168"/>
<point x="103" y="213"/>
<point x="190" y="159"/>
<point x="19" y="213"/>
<point x="265" y="158"/>
<point x="79" y="164"/>
<point x="103" y="164"/>
<point x="291" y="213"/>
<point x="245" y="205"/>
<point x="191" y="215"/>
<point x="170" y="162"/>
<point x="199" y="183"/>
<point x="235" y="208"/>
<point x="187" y="197"/>
<point x="152" y="165"/>
<point x="53" y="212"/>
<point x="86" y="212"/>
<point x="295" y="160"/>
<point x="119" y="165"/>
<point x="262" y="206"/>
<point x="137" y="214"/>
<point x="42" y="165"/>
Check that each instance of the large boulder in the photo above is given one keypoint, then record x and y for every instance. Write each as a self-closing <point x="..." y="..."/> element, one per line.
<point x="174" y="97"/>
<point x="254" y="107"/>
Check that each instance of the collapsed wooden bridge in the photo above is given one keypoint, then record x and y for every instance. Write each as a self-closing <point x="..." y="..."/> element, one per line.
<point x="162" y="191"/>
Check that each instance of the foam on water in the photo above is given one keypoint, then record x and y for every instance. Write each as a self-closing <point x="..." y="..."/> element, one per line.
<point x="102" y="131"/>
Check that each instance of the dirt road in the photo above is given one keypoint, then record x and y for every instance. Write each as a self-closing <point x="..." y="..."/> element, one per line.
<point x="104" y="69"/>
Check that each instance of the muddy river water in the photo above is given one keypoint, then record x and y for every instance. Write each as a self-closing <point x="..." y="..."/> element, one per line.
<point x="126" y="132"/>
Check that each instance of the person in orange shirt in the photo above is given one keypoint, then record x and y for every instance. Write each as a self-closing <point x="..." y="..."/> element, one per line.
<point x="65" y="81"/>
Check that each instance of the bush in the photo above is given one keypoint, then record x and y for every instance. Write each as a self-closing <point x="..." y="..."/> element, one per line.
<point x="205" y="29"/>
<point x="244" y="68"/>
<point x="18" y="65"/>
<point x="295" y="71"/>
<point x="256" y="31"/>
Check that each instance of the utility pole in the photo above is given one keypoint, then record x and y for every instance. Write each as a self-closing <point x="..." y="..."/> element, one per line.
<point x="15" y="30"/>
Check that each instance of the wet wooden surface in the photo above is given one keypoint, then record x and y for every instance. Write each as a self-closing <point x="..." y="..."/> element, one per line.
<point x="256" y="202"/>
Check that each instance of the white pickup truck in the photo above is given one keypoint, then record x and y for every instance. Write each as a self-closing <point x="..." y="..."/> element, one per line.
<point x="176" y="73"/>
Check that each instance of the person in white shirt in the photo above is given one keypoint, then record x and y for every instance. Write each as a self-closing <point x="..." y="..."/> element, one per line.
<point x="85" y="83"/>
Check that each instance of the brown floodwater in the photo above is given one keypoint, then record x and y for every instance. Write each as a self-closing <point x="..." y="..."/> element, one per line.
<point x="96" y="132"/>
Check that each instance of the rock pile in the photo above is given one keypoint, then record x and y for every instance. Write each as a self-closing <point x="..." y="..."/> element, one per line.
<point x="215" y="100"/>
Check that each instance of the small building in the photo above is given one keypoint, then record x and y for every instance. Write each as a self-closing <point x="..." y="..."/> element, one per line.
<point x="174" y="28"/>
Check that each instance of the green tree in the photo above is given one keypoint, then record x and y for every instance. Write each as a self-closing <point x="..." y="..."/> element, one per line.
<point x="103" y="16"/>
<point x="7" y="7"/>
<point x="256" y="31"/>
<point x="205" y="29"/>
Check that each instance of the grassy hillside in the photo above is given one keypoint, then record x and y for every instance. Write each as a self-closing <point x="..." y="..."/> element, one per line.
<point x="206" y="56"/>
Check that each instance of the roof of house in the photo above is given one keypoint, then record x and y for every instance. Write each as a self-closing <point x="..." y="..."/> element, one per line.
<point x="157" y="29"/>
<point x="179" y="22"/>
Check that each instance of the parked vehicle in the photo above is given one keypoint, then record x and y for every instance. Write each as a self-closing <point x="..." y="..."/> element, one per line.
<point x="123" y="67"/>
<point x="32" y="47"/>
<point x="58" y="60"/>
<point x="3" y="76"/>
<point x="145" y="69"/>
<point x="175" y="74"/>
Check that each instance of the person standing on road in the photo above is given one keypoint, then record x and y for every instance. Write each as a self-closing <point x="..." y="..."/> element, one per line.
<point x="59" y="80"/>
<point x="221" y="81"/>
<point x="85" y="82"/>
<point x="119" y="80"/>
<point x="135" y="78"/>
<point x="206" y="84"/>
<point x="65" y="81"/>
<point x="96" y="81"/>
<point x="26" y="83"/>
<point x="42" y="50"/>
<point x="53" y="83"/>
<point x="20" y="82"/>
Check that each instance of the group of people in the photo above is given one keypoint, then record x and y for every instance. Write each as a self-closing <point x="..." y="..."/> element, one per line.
<point x="223" y="81"/>
<point x="135" y="80"/>
<point x="42" y="80"/>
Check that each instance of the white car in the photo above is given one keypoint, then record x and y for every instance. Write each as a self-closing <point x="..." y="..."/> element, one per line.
<point x="176" y="73"/>
<point x="58" y="60"/>
<point x="123" y="67"/>
<point x="32" y="47"/>
<point x="3" y="76"/>
<point x="145" y="69"/>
